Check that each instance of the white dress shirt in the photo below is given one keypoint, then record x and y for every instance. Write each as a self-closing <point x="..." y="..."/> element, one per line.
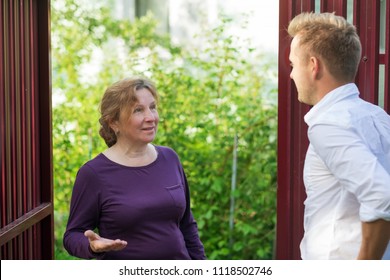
<point x="346" y="173"/>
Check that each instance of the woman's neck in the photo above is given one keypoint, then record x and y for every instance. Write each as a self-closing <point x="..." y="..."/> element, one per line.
<point x="130" y="155"/>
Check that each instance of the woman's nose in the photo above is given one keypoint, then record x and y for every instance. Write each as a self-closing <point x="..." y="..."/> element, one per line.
<point x="150" y="115"/>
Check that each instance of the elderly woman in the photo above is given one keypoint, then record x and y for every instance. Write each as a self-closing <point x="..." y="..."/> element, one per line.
<point x="134" y="194"/>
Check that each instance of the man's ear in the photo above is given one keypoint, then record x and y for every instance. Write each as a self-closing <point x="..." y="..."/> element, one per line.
<point x="316" y="68"/>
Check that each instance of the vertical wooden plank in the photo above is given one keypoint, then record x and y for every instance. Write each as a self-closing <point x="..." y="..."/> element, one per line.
<point x="337" y="6"/>
<point x="24" y="143"/>
<point x="45" y="121"/>
<point x="387" y="59"/>
<point x="291" y="145"/>
<point x="18" y="125"/>
<point x="23" y="124"/>
<point x="29" y="163"/>
<point x="33" y="72"/>
<point x="2" y="117"/>
<point x="366" y="19"/>
<point x="10" y="92"/>
<point x="29" y="103"/>
<point x="33" y="29"/>
<point x="283" y="226"/>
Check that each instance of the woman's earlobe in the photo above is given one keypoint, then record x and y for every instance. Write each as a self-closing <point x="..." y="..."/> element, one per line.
<point x="114" y="127"/>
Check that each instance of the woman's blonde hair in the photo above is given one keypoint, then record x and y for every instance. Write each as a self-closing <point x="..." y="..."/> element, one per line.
<point x="119" y="97"/>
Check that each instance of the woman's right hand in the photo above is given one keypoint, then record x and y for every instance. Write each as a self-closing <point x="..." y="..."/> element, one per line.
<point x="100" y="245"/>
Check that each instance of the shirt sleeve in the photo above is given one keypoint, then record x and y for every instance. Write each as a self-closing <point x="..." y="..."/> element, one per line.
<point x="358" y="170"/>
<point x="84" y="214"/>
<point x="189" y="228"/>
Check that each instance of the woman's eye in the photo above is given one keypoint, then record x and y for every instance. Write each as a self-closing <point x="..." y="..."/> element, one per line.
<point x="136" y="110"/>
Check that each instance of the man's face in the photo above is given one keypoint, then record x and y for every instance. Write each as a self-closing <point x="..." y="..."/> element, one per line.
<point x="301" y="73"/>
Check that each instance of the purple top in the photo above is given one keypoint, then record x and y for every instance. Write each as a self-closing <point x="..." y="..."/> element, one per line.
<point x="147" y="206"/>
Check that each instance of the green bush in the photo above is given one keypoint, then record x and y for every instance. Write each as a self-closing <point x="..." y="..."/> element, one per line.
<point x="209" y="96"/>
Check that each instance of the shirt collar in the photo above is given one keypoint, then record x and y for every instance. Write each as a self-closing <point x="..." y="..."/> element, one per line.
<point x="329" y="99"/>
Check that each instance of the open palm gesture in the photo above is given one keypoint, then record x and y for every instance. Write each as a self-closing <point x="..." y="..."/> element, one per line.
<point x="99" y="244"/>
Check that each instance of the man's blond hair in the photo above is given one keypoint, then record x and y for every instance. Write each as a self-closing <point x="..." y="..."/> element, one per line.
<point x="331" y="38"/>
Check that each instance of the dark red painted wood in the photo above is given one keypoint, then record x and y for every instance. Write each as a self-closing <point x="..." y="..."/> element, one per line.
<point x="387" y="59"/>
<point x="26" y="218"/>
<point x="366" y="19"/>
<point x="2" y="128"/>
<point x="292" y="138"/>
<point x="291" y="145"/>
<point x="338" y="6"/>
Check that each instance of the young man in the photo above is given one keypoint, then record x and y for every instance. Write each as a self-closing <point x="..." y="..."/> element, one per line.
<point x="347" y="165"/>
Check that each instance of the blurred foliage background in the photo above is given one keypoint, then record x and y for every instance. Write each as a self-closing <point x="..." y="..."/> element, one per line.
<point x="209" y="96"/>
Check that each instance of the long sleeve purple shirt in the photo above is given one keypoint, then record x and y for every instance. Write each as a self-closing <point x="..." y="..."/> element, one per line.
<point x="148" y="206"/>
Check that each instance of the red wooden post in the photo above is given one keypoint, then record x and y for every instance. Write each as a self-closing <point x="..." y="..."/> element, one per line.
<point x="292" y="137"/>
<point x="386" y="59"/>
<point x="292" y="143"/>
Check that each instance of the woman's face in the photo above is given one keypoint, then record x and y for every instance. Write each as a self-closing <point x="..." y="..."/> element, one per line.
<point x="138" y="126"/>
